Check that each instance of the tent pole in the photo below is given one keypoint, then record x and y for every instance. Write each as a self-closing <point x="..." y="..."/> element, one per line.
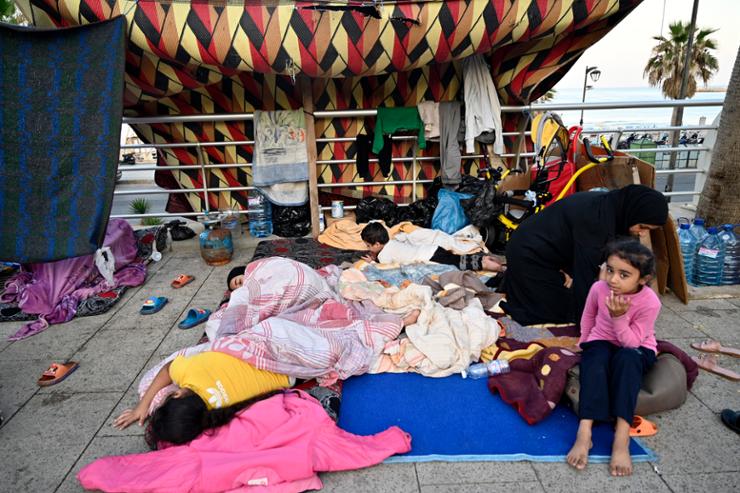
<point x="313" y="189"/>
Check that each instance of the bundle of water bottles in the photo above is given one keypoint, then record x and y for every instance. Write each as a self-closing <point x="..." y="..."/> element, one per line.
<point x="711" y="256"/>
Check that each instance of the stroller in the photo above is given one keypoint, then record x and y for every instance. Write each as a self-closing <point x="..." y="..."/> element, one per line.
<point x="498" y="212"/>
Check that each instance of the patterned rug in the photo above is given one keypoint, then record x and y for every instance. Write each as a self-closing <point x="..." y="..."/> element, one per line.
<point x="306" y="250"/>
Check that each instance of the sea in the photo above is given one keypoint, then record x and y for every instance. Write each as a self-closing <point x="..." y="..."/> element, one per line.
<point x="631" y="118"/>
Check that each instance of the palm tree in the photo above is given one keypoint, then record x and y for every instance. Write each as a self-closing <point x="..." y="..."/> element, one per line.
<point x="720" y="199"/>
<point x="666" y="67"/>
<point x="11" y="14"/>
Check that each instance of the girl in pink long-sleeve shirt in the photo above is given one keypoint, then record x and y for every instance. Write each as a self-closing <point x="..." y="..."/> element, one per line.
<point x="618" y="344"/>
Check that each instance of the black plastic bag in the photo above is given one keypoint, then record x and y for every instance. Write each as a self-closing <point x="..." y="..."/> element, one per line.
<point x="179" y="231"/>
<point x="371" y="208"/>
<point x="471" y="184"/>
<point x="419" y="213"/>
<point x="291" y="222"/>
<point x="483" y="208"/>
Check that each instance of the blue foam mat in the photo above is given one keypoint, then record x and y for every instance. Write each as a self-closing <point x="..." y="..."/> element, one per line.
<point x="456" y="419"/>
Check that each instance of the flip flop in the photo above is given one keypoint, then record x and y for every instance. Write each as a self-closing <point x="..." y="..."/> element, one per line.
<point x="195" y="316"/>
<point x="708" y="362"/>
<point x="56" y="373"/>
<point x="182" y="280"/>
<point x="642" y="427"/>
<point x="153" y="304"/>
<point x="731" y="419"/>
<point x="712" y="346"/>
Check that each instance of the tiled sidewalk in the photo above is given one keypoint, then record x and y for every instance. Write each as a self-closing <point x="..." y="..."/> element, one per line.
<point x="49" y="434"/>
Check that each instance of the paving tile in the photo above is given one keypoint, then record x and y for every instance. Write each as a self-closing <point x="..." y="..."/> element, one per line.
<point x="44" y="440"/>
<point x="716" y="392"/>
<point x="671" y="325"/>
<point x="383" y="478"/>
<point x="18" y="383"/>
<point x="698" y="305"/>
<point x="691" y="439"/>
<point x="110" y="360"/>
<point x="560" y="477"/>
<point x="472" y="472"/>
<point x="56" y="343"/>
<point x="497" y="487"/>
<point x="178" y="339"/>
<point x="725" y="482"/>
<point x="101" y="447"/>
<point x="718" y="324"/>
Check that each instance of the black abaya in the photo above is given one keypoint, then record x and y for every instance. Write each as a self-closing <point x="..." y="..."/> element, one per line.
<point x="570" y="235"/>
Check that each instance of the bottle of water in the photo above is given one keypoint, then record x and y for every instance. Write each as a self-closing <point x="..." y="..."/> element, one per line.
<point x="697" y="229"/>
<point x="709" y="260"/>
<point x="260" y="214"/>
<point x="482" y="370"/>
<point x="731" y="269"/>
<point x="688" y="245"/>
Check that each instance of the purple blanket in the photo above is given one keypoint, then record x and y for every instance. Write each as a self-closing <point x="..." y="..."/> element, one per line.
<point x="53" y="290"/>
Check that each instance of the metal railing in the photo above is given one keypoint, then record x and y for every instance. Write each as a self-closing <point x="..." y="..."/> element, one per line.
<point x="413" y="160"/>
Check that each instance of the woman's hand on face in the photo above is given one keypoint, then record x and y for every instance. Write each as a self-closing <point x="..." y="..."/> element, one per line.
<point x="617" y="305"/>
<point x="602" y="272"/>
<point x="370" y="258"/>
<point x="568" y="281"/>
<point x="130" y="416"/>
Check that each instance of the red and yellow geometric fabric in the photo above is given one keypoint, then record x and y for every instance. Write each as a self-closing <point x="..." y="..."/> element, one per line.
<point x="220" y="57"/>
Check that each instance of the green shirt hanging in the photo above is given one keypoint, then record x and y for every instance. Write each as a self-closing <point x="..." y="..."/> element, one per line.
<point x="390" y="120"/>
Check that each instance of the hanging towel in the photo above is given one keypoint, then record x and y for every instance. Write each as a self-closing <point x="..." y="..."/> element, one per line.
<point x="61" y="102"/>
<point x="429" y="113"/>
<point x="449" y="147"/>
<point x="482" y="108"/>
<point x="391" y="120"/>
<point x="280" y="167"/>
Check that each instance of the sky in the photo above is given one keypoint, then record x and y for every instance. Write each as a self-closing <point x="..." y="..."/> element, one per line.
<point x="622" y="54"/>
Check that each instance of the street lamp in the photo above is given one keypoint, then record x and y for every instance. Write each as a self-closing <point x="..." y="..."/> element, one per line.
<point x="595" y="73"/>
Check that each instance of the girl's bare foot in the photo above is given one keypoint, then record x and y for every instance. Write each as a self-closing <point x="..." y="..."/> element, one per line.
<point x="621" y="461"/>
<point x="578" y="455"/>
<point x="411" y="317"/>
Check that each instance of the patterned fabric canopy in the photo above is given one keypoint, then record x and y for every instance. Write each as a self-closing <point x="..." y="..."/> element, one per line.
<point x="219" y="56"/>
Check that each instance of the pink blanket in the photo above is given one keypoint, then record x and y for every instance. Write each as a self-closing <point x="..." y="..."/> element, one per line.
<point x="277" y="445"/>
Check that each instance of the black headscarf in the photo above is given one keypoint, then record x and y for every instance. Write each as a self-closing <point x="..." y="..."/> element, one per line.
<point x="638" y="204"/>
<point x="236" y="271"/>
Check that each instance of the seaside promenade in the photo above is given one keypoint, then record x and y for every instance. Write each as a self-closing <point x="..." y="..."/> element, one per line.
<point x="50" y="433"/>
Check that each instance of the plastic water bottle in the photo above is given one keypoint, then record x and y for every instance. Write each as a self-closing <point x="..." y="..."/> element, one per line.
<point x="731" y="269"/>
<point x="697" y="229"/>
<point x="709" y="260"/>
<point x="260" y="214"/>
<point x="482" y="370"/>
<point x="688" y="245"/>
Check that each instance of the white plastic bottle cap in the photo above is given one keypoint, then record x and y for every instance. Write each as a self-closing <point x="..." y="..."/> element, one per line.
<point x="156" y="256"/>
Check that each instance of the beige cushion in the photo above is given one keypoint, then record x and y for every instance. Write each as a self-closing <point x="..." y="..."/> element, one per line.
<point x="663" y="388"/>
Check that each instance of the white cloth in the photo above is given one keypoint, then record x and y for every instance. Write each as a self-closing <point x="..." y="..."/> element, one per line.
<point x="420" y="245"/>
<point x="429" y="113"/>
<point x="482" y="108"/>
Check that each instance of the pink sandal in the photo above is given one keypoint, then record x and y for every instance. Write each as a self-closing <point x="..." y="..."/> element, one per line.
<point x="708" y="362"/>
<point x="712" y="346"/>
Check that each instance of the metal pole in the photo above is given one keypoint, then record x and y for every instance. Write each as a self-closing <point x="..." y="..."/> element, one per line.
<point x="678" y="120"/>
<point x="413" y="173"/>
<point x="583" y="96"/>
<point x="199" y="157"/>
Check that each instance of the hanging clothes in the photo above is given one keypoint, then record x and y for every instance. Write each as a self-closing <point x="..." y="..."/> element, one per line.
<point x="391" y="120"/>
<point x="363" y="143"/>
<point x="429" y="113"/>
<point x="449" y="147"/>
<point x="482" y="108"/>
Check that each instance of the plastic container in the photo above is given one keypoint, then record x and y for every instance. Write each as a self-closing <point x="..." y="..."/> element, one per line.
<point x="216" y="246"/>
<point x="709" y="260"/>
<point x="731" y="268"/>
<point x="482" y="370"/>
<point x="230" y="221"/>
<point x="260" y="214"/>
<point x="688" y="245"/>
<point x="697" y="229"/>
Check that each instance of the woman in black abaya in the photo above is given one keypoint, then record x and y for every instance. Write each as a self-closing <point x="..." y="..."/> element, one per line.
<point x="569" y="237"/>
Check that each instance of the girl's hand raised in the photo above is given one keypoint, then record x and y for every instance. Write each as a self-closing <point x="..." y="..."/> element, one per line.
<point x="130" y="416"/>
<point x="617" y="305"/>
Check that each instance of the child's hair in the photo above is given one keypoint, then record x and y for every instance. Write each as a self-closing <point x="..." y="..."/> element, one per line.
<point x="182" y="420"/>
<point x="374" y="233"/>
<point x="636" y="254"/>
<point x="236" y="271"/>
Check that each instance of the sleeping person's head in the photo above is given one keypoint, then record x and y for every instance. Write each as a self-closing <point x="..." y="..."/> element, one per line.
<point x="375" y="237"/>
<point x="235" y="278"/>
